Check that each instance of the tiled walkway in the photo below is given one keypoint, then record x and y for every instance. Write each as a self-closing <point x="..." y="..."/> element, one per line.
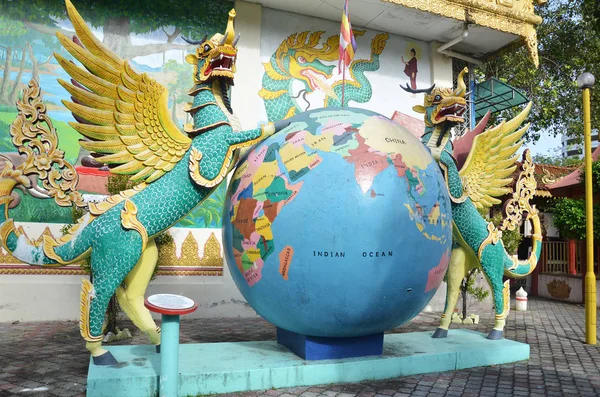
<point x="49" y="359"/>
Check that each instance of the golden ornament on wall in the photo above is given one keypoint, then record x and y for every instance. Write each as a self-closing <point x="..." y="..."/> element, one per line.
<point x="559" y="289"/>
<point x="188" y="263"/>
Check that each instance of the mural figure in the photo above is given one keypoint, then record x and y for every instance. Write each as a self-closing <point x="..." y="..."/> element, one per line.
<point x="299" y="58"/>
<point x="124" y="115"/>
<point x="411" y="68"/>
<point x="484" y="175"/>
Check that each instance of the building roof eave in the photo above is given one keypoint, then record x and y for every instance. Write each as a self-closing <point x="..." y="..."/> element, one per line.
<point x="512" y="17"/>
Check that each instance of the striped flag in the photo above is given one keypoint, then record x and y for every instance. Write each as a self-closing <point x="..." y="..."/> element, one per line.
<point x="347" y="41"/>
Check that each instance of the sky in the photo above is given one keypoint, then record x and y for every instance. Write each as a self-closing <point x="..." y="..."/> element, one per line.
<point x="546" y="145"/>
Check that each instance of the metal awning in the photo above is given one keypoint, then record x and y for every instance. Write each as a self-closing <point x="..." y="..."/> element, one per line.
<point x="494" y="95"/>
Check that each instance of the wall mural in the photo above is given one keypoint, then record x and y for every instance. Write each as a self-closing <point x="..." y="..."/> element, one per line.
<point x="300" y="61"/>
<point x="151" y="37"/>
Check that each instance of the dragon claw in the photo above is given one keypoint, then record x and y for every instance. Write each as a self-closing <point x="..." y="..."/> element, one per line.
<point x="105" y="359"/>
<point x="440" y="333"/>
<point x="495" y="334"/>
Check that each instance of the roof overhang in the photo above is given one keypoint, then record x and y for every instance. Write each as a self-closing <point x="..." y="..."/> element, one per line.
<point x="494" y="25"/>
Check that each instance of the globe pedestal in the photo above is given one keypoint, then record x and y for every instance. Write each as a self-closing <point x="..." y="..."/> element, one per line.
<point x="215" y="368"/>
<point x="324" y="348"/>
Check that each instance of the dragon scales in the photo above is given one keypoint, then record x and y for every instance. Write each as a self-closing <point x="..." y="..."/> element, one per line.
<point x="126" y="119"/>
<point x="299" y="59"/>
<point x="484" y="176"/>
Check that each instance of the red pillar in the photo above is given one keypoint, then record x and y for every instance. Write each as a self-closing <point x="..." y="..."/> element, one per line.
<point x="572" y="258"/>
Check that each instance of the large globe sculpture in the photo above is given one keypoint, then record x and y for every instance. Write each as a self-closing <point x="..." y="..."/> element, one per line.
<point x="339" y="225"/>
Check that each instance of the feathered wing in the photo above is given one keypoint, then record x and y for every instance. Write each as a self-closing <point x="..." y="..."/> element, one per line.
<point x="487" y="171"/>
<point x="124" y="114"/>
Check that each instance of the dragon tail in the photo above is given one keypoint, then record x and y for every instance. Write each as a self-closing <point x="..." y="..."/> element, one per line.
<point x="39" y="159"/>
<point x="514" y="209"/>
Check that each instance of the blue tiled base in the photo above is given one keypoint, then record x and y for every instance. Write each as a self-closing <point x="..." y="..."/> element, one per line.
<point x="214" y="368"/>
<point x="321" y="348"/>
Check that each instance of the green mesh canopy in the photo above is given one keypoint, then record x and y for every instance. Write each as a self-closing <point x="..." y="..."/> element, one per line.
<point x="494" y="95"/>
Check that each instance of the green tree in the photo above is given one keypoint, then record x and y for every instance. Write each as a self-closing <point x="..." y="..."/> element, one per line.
<point x="11" y="32"/>
<point x="179" y="84"/>
<point x="468" y="288"/>
<point x="569" y="213"/>
<point x="569" y="44"/>
<point x="118" y="19"/>
<point x="557" y="160"/>
<point x="22" y="48"/>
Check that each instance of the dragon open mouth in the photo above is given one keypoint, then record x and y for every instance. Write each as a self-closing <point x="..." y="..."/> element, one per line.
<point x="452" y="113"/>
<point x="312" y="77"/>
<point x="223" y="63"/>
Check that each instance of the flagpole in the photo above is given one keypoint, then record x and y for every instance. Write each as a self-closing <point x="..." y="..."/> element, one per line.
<point x="344" y="80"/>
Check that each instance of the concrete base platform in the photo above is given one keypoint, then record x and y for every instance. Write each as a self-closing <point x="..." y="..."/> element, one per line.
<point x="211" y="368"/>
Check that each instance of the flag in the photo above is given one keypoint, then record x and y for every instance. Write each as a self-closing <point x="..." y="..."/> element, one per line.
<point x="347" y="41"/>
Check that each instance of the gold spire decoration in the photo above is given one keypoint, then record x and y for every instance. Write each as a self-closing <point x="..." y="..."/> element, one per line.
<point x="189" y="263"/>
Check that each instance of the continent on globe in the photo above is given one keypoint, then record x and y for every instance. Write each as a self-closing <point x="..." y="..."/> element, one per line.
<point x="285" y="259"/>
<point x="339" y="225"/>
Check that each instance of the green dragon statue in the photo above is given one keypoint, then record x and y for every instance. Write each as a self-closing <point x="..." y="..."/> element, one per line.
<point x="485" y="175"/>
<point x="299" y="59"/>
<point x="125" y="118"/>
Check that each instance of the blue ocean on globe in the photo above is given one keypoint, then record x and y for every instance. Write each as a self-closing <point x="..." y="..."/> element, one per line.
<point x="339" y="225"/>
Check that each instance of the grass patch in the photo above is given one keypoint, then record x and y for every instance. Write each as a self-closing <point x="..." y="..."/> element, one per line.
<point x="31" y="209"/>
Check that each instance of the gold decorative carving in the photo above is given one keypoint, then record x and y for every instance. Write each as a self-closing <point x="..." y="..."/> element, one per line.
<point x="524" y="191"/>
<point x="511" y="16"/>
<point x="548" y="178"/>
<point x="189" y="263"/>
<point x="167" y="257"/>
<point x="35" y="138"/>
<point x="130" y="221"/>
<point x="494" y="235"/>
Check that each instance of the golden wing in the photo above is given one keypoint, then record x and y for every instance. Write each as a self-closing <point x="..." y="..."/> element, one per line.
<point x="124" y="114"/>
<point x="487" y="171"/>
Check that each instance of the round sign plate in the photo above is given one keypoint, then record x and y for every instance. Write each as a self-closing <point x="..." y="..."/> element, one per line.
<point x="170" y="301"/>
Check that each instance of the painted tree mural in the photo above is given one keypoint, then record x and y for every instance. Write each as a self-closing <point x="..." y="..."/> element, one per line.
<point x="148" y="33"/>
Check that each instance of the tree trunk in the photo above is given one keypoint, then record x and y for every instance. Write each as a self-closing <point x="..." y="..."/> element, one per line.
<point x="6" y="74"/>
<point x="12" y="98"/>
<point x="35" y="67"/>
<point x="174" y="111"/>
<point x="117" y="35"/>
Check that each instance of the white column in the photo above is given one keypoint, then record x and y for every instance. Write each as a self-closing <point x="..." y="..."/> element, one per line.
<point x="441" y="67"/>
<point x="246" y="103"/>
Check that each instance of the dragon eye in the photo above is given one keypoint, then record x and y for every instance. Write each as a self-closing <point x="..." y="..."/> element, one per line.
<point x="301" y="59"/>
<point x="206" y="48"/>
<point x="437" y="98"/>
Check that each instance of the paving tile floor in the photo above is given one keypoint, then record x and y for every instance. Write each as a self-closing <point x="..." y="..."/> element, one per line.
<point x="49" y="359"/>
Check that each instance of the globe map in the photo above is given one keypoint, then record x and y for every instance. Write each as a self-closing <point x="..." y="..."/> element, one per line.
<point x="339" y="225"/>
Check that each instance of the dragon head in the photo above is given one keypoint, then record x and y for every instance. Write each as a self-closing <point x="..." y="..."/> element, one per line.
<point x="215" y="57"/>
<point x="443" y="107"/>
<point x="301" y="60"/>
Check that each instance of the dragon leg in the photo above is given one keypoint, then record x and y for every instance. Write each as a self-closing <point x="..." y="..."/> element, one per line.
<point x="111" y="262"/>
<point x="457" y="270"/>
<point x="131" y="294"/>
<point x="493" y="268"/>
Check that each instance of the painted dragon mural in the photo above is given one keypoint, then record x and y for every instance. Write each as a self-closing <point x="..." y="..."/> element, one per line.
<point x="299" y="58"/>
<point x="123" y="116"/>
<point x="485" y="174"/>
